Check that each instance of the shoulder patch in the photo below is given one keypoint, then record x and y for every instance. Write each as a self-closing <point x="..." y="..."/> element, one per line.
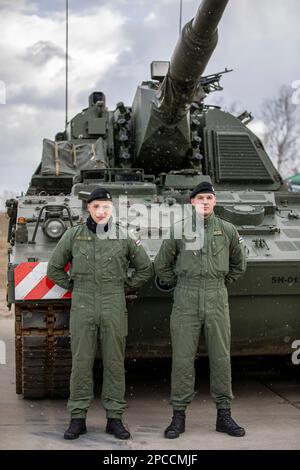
<point x="239" y="237"/>
<point x="137" y="242"/>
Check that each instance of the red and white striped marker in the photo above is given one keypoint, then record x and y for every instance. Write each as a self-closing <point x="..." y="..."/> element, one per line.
<point x="32" y="283"/>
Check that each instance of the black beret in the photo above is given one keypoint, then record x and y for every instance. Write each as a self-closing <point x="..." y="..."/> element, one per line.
<point x="204" y="187"/>
<point x="101" y="194"/>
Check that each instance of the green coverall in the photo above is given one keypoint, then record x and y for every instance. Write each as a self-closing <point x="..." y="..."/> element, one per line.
<point x="98" y="277"/>
<point x="201" y="300"/>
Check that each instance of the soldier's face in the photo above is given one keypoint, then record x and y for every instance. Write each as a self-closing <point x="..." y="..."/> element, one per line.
<point x="100" y="211"/>
<point x="204" y="203"/>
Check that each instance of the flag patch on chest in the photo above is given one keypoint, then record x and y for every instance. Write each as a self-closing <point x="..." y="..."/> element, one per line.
<point x="138" y="242"/>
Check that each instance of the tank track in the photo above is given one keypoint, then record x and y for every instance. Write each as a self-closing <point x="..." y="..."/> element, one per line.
<point x="43" y="354"/>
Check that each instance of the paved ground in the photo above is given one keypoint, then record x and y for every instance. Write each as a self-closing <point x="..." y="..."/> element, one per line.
<point x="267" y="403"/>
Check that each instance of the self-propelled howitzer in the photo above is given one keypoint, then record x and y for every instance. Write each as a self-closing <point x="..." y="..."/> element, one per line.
<point x="153" y="153"/>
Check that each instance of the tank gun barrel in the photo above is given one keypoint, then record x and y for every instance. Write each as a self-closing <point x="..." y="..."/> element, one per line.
<point x="194" y="48"/>
<point x="208" y="17"/>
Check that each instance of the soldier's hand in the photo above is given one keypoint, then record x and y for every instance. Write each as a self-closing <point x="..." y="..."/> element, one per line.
<point x="130" y="294"/>
<point x="131" y="297"/>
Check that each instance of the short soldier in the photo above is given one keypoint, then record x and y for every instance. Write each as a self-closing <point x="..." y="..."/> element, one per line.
<point x="201" y="300"/>
<point x="98" y="277"/>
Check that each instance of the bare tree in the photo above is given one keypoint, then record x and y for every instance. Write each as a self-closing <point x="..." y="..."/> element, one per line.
<point x="282" y="139"/>
<point x="234" y="107"/>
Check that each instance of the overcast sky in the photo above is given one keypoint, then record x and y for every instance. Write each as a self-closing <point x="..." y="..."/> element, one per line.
<point x="111" y="46"/>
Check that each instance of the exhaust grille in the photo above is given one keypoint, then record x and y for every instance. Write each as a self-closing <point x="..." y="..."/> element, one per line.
<point x="238" y="159"/>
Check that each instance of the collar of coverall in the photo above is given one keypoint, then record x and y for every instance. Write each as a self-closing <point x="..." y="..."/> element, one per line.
<point x="202" y="222"/>
<point x="92" y="225"/>
<point x="208" y="221"/>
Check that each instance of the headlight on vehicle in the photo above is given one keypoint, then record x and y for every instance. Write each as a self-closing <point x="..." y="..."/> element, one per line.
<point x="54" y="228"/>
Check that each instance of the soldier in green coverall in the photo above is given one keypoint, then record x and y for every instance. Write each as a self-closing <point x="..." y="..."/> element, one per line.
<point x="98" y="277"/>
<point x="201" y="301"/>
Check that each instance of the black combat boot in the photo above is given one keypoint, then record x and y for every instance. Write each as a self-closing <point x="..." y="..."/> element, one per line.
<point x="225" y="423"/>
<point x="77" y="427"/>
<point x="177" y="425"/>
<point x="115" y="426"/>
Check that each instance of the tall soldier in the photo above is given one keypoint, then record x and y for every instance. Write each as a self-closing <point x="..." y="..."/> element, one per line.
<point x="98" y="277"/>
<point x="201" y="300"/>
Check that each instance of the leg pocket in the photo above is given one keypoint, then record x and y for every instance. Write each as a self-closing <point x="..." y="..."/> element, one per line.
<point x="185" y="301"/>
<point x="115" y="316"/>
